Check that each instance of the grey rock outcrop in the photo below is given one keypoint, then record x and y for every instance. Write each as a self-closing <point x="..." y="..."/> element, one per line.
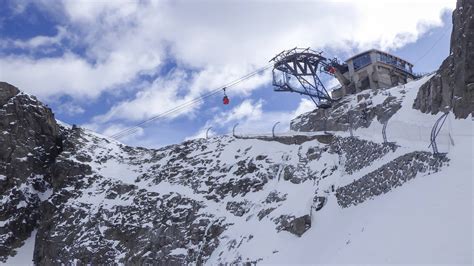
<point x="238" y="208"/>
<point x="342" y="115"/>
<point x="358" y="153"/>
<point x="295" y="225"/>
<point x="453" y="85"/>
<point x="389" y="176"/>
<point x="29" y="143"/>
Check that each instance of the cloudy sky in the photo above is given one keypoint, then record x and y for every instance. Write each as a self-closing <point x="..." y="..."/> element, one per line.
<point x="110" y="64"/>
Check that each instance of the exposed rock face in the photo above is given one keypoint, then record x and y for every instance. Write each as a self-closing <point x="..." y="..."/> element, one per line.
<point x="352" y="112"/>
<point x="453" y="85"/>
<point x="29" y="142"/>
<point x="96" y="219"/>
<point x="357" y="154"/>
<point x="238" y="208"/>
<point x="297" y="226"/>
<point x="389" y="176"/>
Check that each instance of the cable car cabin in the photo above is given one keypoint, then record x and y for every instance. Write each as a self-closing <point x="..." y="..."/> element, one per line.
<point x="225" y="100"/>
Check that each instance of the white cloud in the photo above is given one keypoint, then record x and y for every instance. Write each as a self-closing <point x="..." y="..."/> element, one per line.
<point x="70" y="74"/>
<point x="125" y="38"/>
<point x="70" y="109"/>
<point x="247" y="110"/>
<point x="177" y="91"/>
<point x="252" y="119"/>
<point x="100" y="11"/>
<point x="160" y="96"/>
<point x="304" y="107"/>
<point x="37" y="41"/>
<point x="391" y="24"/>
<point x="217" y="40"/>
<point x="202" y="134"/>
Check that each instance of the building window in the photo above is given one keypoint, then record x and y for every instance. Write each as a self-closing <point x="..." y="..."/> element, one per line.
<point x="361" y="61"/>
<point x="387" y="59"/>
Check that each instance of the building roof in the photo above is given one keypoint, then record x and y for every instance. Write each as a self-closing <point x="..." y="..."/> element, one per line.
<point x="375" y="50"/>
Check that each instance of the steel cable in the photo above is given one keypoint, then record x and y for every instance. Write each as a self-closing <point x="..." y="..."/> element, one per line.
<point x="133" y="129"/>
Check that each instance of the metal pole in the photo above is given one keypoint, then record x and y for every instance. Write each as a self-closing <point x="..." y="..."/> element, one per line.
<point x="442" y="123"/>
<point x="233" y="130"/>
<point x="273" y="129"/>
<point x="432" y="136"/>
<point x="435" y="131"/>
<point x="207" y="132"/>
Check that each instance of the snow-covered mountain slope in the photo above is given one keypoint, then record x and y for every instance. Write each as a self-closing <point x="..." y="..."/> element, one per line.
<point x="228" y="200"/>
<point x="427" y="220"/>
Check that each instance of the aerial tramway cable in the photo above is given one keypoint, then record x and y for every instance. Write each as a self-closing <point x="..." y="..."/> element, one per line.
<point x="133" y="129"/>
<point x="433" y="46"/>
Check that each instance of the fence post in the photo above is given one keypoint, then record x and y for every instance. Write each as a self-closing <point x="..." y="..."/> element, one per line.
<point x="273" y="129"/>
<point x="207" y="132"/>
<point x="435" y="131"/>
<point x="233" y="130"/>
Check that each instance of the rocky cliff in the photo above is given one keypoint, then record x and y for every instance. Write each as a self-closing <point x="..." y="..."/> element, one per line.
<point x="30" y="140"/>
<point x="453" y="85"/>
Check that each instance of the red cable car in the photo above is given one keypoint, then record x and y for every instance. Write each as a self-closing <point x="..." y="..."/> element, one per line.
<point x="225" y="100"/>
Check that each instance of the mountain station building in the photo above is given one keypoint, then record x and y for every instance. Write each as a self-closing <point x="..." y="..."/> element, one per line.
<point x="373" y="69"/>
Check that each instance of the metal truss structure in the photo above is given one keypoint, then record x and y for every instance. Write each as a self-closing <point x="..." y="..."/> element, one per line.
<point x="296" y="70"/>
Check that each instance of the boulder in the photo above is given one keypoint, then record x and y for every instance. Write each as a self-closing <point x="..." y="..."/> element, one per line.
<point x="295" y="225"/>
